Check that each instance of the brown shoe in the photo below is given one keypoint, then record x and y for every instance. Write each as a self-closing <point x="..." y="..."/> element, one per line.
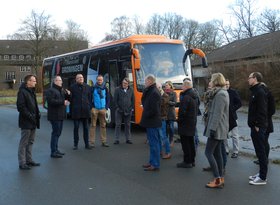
<point x="166" y="156"/>
<point x="151" y="168"/>
<point x="146" y="165"/>
<point x="216" y="183"/>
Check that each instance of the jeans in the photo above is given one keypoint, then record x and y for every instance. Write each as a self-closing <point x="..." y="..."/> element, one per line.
<point x="196" y="138"/>
<point x="267" y="146"/>
<point x="76" y="131"/>
<point x="164" y="138"/>
<point x="213" y="153"/>
<point x="154" y="142"/>
<point x="126" y="119"/>
<point x="170" y="130"/>
<point x="25" y="146"/>
<point x="259" y="139"/>
<point x="235" y="140"/>
<point x="56" y="132"/>
<point x="224" y="153"/>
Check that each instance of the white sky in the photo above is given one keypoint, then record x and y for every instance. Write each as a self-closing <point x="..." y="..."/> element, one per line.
<point x="95" y="16"/>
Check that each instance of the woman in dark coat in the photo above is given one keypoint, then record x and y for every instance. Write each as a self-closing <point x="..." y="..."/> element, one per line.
<point x="171" y="114"/>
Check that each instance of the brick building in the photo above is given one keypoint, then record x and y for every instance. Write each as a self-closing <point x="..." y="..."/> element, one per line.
<point x="17" y="59"/>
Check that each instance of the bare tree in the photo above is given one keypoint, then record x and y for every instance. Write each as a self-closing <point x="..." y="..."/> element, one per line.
<point x="243" y="11"/>
<point x="208" y="37"/>
<point x="108" y="37"/>
<point x="35" y="28"/>
<point x="156" y="25"/>
<point x="269" y="21"/>
<point x="121" y="27"/>
<point x="191" y="33"/>
<point x="175" y="25"/>
<point x="225" y="31"/>
<point x="138" y="26"/>
<point x="74" y="35"/>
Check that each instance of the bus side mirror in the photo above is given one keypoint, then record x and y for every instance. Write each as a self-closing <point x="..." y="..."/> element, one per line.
<point x="136" y="55"/>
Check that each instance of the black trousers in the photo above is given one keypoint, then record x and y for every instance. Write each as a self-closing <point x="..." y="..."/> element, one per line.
<point x="188" y="148"/>
<point x="259" y="139"/>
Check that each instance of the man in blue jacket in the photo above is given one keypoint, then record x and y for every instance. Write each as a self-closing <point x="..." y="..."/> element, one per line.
<point x="100" y="104"/>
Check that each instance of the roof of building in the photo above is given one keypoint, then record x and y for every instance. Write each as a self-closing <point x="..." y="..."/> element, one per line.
<point x="23" y="47"/>
<point x="255" y="47"/>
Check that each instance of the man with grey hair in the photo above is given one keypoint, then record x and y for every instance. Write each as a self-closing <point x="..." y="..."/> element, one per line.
<point x="151" y="120"/>
<point x="187" y="118"/>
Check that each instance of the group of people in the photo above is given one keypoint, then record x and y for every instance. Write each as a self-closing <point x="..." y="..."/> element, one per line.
<point x="158" y="117"/>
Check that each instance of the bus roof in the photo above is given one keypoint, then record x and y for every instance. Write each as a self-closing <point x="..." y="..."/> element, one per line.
<point x="131" y="39"/>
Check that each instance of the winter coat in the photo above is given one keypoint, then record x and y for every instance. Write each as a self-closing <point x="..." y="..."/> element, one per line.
<point x="218" y="114"/>
<point x="81" y="98"/>
<point x="124" y="101"/>
<point x="171" y="114"/>
<point x="187" y="115"/>
<point x="100" y="97"/>
<point x="27" y="106"/>
<point x="55" y="98"/>
<point x="234" y="105"/>
<point x="270" y="109"/>
<point x="164" y="104"/>
<point x="257" y="110"/>
<point x="151" y="117"/>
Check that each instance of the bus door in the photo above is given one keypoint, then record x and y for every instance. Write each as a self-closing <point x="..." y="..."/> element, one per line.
<point x="112" y="81"/>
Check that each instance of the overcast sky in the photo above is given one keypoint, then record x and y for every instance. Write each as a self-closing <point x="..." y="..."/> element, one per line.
<point x="95" y="16"/>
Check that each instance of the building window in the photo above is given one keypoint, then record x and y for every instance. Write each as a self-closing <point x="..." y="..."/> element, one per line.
<point x="28" y="57"/>
<point x="14" y="57"/>
<point x="6" y="57"/>
<point x="21" y="57"/>
<point x="10" y="75"/>
<point x="25" y="69"/>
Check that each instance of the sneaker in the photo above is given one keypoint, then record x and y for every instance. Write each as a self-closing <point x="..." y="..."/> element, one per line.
<point x="258" y="181"/>
<point x="251" y="178"/>
<point x="75" y="147"/>
<point x="234" y="155"/>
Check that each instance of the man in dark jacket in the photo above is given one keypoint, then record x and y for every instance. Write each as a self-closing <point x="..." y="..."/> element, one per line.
<point x="257" y="121"/>
<point x="234" y="105"/>
<point x="151" y="120"/>
<point x="124" y="105"/>
<point x="270" y="112"/>
<point x="29" y="120"/>
<point x="80" y="108"/>
<point x="57" y="99"/>
<point x="187" y="118"/>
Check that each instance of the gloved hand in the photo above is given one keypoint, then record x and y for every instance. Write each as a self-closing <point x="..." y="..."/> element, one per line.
<point x="212" y="133"/>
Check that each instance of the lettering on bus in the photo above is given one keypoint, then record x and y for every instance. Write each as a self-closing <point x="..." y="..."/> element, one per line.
<point x="72" y="69"/>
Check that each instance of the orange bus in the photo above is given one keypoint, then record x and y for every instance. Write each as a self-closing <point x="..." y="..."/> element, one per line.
<point x="133" y="57"/>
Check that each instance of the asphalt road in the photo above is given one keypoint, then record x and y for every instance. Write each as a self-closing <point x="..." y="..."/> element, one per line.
<point x="114" y="175"/>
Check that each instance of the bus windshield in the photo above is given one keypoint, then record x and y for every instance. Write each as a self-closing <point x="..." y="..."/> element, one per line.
<point x="162" y="60"/>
